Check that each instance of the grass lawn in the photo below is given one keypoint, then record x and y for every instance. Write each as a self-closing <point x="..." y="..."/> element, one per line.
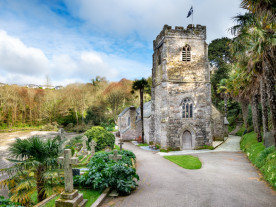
<point x="185" y="161"/>
<point x="143" y="145"/>
<point x="116" y="147"/>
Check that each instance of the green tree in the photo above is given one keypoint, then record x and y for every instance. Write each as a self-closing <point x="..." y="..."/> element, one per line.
<point x="219" y="57"/>
<point x="140" y="85"/>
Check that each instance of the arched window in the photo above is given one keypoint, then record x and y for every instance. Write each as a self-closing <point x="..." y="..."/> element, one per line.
<point x="186" y="53"/>
<point x="187" y="108"/>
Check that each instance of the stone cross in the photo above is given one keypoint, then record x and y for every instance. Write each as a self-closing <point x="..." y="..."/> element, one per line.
<point x="115" y="156"/>
<point x="61" y="133"/>
<point x="121" y="143"/>
<point x="84" y="140"/>
<point x="67" y="162"/>
<point x="92" y="145"/>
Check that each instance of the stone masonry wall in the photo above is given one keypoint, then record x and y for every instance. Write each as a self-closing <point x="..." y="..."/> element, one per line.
<point x="174" y="80"/>
<point x="217" y="124"/>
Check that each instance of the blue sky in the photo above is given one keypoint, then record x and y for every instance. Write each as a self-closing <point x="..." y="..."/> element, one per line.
<point x="76" y="40"/>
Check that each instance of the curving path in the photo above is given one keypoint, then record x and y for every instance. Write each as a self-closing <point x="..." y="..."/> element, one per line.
<point x="227" y="179"/>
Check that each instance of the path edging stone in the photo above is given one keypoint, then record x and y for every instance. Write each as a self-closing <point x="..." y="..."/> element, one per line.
<point x="42" y="203"/>
<point x="101" y="198"/>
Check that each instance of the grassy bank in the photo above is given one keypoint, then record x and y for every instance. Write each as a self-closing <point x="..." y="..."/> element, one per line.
<point x="263" y="158"/>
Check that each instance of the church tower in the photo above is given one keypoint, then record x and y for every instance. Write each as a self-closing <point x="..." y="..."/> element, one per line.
<point x="181" y="90"/>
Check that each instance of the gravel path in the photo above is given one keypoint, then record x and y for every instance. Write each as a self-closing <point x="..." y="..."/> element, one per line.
<point x="226" y="179"/>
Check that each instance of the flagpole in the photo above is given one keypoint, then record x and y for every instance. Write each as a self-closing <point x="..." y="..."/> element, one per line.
<point x="193" y="16"/>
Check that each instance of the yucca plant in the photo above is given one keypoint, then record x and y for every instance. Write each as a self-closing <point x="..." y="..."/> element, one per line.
<point x="35" y="169"/>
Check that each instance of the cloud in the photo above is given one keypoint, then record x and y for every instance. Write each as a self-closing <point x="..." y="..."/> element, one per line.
<point x="15" y="57"/>
<point x="22" y="64"/>
<point x="146" y="18"/>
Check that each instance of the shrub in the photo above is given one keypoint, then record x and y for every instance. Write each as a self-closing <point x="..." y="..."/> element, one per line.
<point x="104" y="173"/>
<point x="7" y="203"/>
<point x="102" y="137"/>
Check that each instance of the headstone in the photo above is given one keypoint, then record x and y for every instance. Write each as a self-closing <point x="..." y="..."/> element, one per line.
<point x="61" y="133"/>
<point x="69" y="197"/>
<point x="83" y="150"/>
<point x="92" y="145"/>
<point x="107" y="149"/>
<point x="269" y="139"/>
<point x="76" y="172"/>
<point x="121" y="144"/>
<point x="115" y="156"/>
<point x="67" y="162"/>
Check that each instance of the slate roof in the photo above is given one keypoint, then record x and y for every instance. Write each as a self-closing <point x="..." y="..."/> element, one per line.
<point x="123" y="112"/>
<point x="147" y="110"/>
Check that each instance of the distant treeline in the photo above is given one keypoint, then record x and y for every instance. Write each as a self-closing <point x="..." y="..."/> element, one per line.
<point x="93" y="103"/>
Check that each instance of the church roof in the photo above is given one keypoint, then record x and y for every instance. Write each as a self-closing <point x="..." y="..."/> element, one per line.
<point x="123" y="112"/>
<point x="147" y="109"/>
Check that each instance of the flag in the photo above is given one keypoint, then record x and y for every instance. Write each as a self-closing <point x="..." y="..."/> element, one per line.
<point x="190" y="12"/>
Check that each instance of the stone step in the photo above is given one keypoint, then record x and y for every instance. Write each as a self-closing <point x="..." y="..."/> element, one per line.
<point x="82" y="204"/>
<point x="70" y="203"/>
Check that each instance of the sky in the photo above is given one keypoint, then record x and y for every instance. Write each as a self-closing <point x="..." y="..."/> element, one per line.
<point x="73" y="41"/>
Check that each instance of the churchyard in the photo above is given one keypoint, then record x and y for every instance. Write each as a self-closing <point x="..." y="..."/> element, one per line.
<point x="56" y="171"/>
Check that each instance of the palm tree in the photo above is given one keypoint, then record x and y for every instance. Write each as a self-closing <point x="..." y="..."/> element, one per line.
<point x="34" y="168"/>
<point x="256" y="41"/>
<point x="141" y="85"/>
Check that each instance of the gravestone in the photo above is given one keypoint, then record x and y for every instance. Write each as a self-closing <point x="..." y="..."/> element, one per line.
<point x="115" y="156"/>
<point x="83" y="150"/>
<point x="76" y="172"/>
<point x="61" y="133"/>
<point x="70" y="197"/>
<point x="107" y="149"/>
<point x="121" y="143"/>
<point x="269" y="139"/>
<point x="92" y="145"/>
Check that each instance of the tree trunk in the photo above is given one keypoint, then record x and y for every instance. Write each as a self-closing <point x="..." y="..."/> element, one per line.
<point x="142" y="112"/>
<point x="270" y="86"/>
<point x="264" y="106"/>
<point x="225" y="105"/>
<point x="77" y="118"/>
<point x="255" y="116"/>
<point x="40" y="183"/>
<point x="244" y="107"/>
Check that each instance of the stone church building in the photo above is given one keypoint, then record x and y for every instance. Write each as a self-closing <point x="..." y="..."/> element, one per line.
<point x="180" y="114"/>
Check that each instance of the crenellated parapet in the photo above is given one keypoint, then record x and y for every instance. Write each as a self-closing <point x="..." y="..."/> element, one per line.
<point x="192" y="31"/>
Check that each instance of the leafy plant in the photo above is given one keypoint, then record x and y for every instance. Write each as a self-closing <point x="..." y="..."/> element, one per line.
<point x="34" y="169"/>
<point x="7" y="203"/>
<point x="104" y="173"/>
<point x="101" y="136"/>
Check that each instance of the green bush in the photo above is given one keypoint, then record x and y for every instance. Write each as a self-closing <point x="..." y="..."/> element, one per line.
<point x="7" y="203"/>
<point x="102" y="137"/>
<point x="261" y="157"/>
<point x="104" y="173"/>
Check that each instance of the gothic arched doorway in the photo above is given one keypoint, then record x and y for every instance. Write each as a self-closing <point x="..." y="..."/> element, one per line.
<point x="187" y="140"/>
